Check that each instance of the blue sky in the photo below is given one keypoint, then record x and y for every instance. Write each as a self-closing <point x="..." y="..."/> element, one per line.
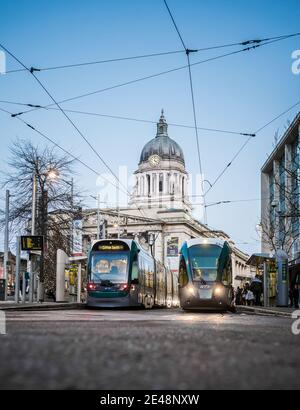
<point x="240" y="92"/>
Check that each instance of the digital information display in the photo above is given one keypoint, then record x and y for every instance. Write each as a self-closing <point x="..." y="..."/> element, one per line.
<point x="32" y="243"/>
<point x="112" y="248"/>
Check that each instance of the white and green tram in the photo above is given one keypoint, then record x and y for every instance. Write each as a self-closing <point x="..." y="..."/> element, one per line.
<point x="122" y="274"/>
<point x="205" y="275"/>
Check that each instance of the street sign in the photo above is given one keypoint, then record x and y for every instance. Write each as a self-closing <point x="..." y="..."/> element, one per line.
<point x="32" y="243"/>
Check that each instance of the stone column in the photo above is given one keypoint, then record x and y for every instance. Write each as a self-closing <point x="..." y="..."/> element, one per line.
<point x="166" y="183"/>
<point x="138" y="181"/>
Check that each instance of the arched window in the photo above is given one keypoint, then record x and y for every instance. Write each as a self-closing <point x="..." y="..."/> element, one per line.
<point x="183" y="187"/>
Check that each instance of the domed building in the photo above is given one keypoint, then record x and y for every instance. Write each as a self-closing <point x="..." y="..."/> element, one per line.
<point x="161" y="178"/>
<point x="159" y="214"/>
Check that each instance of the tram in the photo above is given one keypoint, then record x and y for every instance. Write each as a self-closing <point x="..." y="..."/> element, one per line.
<point x="122" y="274"/>
<point x="205" y="275"/>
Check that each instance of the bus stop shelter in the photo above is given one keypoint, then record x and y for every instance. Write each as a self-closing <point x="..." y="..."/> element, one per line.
<point x="73" y="264"/>
<point x="264" y="264"/>
<point x="274" y="271"/>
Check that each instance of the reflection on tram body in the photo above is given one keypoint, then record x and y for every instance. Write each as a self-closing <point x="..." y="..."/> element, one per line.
<point x="205" y="275"/>
<point x="121" y="273"/>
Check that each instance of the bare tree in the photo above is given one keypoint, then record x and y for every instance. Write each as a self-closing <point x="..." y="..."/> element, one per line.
<point x="57" y="204"/>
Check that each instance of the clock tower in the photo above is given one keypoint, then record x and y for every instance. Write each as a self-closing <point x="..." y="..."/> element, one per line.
<point x="161" y="178"/>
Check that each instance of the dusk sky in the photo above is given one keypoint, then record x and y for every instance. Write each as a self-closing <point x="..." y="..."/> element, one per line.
<point x="239" y="93"/>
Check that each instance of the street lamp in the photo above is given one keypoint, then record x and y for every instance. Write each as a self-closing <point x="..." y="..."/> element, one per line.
<point x="52" y="174"/>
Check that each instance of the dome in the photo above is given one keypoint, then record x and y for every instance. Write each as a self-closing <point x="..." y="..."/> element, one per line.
<point x="162" y="145"/>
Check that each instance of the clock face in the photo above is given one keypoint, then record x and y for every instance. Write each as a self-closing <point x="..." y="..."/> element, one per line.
<point x="154" y="160"/>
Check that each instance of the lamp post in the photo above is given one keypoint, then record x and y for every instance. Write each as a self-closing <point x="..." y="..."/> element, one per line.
<point x="71" y="184"/>
<point x="33" y="217"/>
<point x="6" y="243"/>
<point x="51" y="174"/>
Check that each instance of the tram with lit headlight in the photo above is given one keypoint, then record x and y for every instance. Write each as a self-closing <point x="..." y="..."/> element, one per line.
<point x="122" y="274"/>
<point x="205" y="275"/>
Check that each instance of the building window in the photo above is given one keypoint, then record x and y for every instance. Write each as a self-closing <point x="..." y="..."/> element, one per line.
<point x="148" y="185"/>
<point x="161" y="183"/>
<point x="272" y="197"/>
<point x="282" y="190"/>
<point x="295" y="188"/>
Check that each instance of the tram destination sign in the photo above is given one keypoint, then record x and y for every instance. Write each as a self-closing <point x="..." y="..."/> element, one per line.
<point x="32" y="243"/>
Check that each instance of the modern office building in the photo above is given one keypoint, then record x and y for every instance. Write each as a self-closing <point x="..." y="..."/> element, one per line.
<point x="280" y="206"/>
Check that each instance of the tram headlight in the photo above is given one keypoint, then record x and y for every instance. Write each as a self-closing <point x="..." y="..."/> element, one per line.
<point x="218" y="291"/>
<point x="191" y="290"/>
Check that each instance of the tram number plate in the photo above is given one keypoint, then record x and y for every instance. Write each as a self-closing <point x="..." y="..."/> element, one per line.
<point x="205" y="293"/>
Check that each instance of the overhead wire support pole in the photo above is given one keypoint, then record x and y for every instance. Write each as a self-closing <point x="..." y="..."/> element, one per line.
<point x="30" y="266"/>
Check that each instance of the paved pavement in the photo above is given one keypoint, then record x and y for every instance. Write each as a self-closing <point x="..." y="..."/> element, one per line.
<point x="158" y="349"/>
<point x="10" y="305"/>
<point x="277" y="311"/>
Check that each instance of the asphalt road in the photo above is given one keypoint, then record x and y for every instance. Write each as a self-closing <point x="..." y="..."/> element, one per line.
<point x="159" y="349"/>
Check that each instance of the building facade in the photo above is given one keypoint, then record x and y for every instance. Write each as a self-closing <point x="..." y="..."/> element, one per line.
<point x="159" y="214"/>
<point x="280" y="206"/>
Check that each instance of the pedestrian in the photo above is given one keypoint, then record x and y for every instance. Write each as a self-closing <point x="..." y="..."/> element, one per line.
<point x="244" y="294"/>
<point x="296" y="296"/>
<point x="250" y="298"/>
<point x="291" y="296"/>
<point x="257" y="289"/>
<point x="238" y="296"/>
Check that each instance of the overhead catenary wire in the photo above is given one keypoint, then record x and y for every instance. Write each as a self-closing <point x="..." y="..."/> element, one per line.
<point x="162" y="73"/>
<point x="97" y="173"/>
<point x="56" y="144"/>
<point x="273" y="40"/>
<point x="259" y="130"/>
<point x="72" y="123"/>
<point x="89" y="63"/>
<point x="151" y="55"/>
<point x="277" y="117"/>
<point x="193" y="103"/>
<point x="68" y="118"/>
<point x="217" y="130"/>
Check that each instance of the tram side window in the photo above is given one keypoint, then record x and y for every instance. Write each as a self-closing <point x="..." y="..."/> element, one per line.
<point x="135" y="270"/>
<point x="183" y="275"/>
<point x="227" y="274"/>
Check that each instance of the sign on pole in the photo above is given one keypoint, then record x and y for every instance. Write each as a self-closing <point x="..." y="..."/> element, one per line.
<point x="77" y="237"/>
<point x="32" y="243"/>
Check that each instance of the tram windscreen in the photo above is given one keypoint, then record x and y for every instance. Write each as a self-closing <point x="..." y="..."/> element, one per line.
<point x="110" y="266"/>
<point x="204" y="262"/>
